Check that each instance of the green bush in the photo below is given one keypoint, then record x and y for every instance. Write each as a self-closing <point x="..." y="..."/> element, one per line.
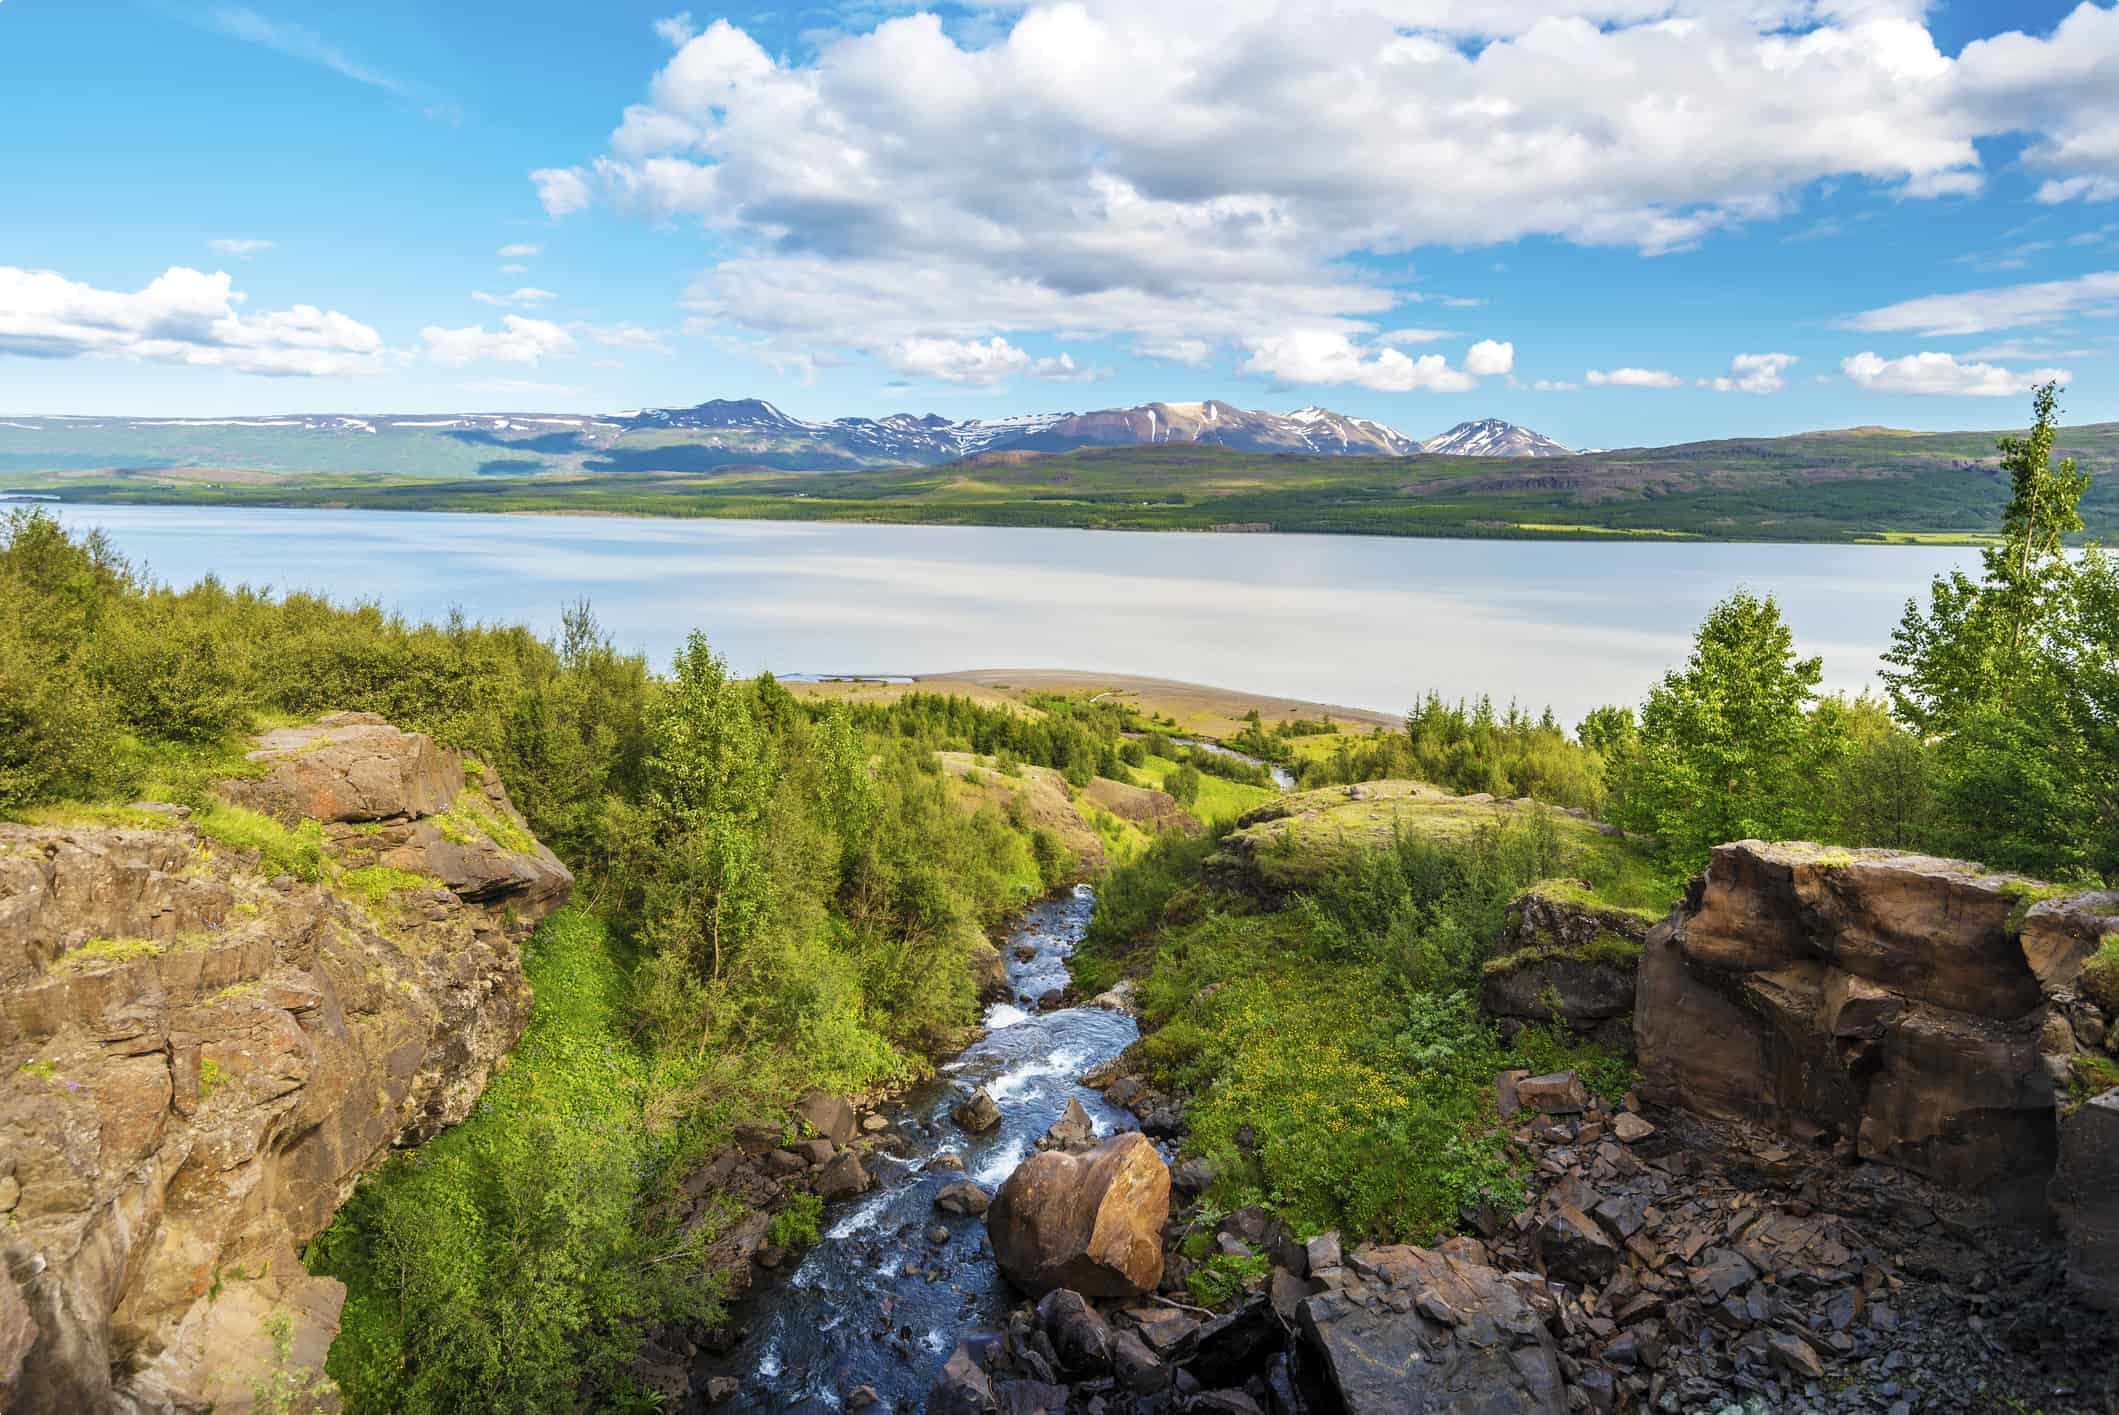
<point x="796" y="1224"/>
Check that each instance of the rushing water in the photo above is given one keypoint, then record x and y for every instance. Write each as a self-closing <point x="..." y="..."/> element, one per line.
<point x="1363" y="621"/>
<point x="876" y="1302"/>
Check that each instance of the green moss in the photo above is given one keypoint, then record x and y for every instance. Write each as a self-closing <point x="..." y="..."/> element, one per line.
<point x="1587" y="896"/>
<point x="472" y="817"/>
<point x="2094" y="1075"/>
<point x="212" y="1076"/>
<point x="1834" y="859"/>
<point x="290" y="850"/>
<point x="111" y="950"/>
<point x="374" y="884"/>
<point x="2100" y="975"/>
<point x="1225" y="1277"/>
<point x="1604" y="946"/>
<point x="41" y="1068"/>
<point x="63" y="814"/>
<point x="2027" y="893"/>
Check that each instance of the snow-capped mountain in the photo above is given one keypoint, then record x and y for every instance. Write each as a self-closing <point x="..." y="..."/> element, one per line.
<point x="754" y="424"/>
<point x="1491" y="437"/>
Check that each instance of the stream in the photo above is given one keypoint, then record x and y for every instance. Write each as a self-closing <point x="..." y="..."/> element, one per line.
<point x="875" y="1302"/>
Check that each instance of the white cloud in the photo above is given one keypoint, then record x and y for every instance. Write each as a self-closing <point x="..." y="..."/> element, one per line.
<point x="513" y="268"/>
<point x="516" y="250"/>
<point x="1943" y="374"/>
<point x="524" y="295"/>
<point x="561" y="190"/>
<point x="676" y="29"/>
<point x="1753" y="373"/>
<point x="518" y="341"/>
<point x="1215" y="192"/>
<point x="1415" y="336"/>
<point x="241" y="22"/>
<point x="1632" y="378"/>
<point x="971" y="361"/>
<point x="1555" y="385"/>
<point x="1489" y="357"/>
<point x="1324" y="356"/>
<point x="182" y="316"/>
<point x="239" y="247"/>
<point x="2061" y="189"/>
<point x="1999" y="307"/>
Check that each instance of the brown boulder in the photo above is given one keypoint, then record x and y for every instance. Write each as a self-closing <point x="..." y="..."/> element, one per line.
<point x="349" y="766"/>
<point x="1865" y="995"/>
<point x="844" y="1177"/>
<point x="1564" y="957"/>
<point x="1091" y="1222"/>
<point x="963" y="1197"/>
<point x="977" y="1112"/>
<point x="829" y="1116"/>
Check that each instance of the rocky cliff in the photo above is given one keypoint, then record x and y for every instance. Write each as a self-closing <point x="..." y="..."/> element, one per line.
<point x="198" y="1057"/>
<point x="1925" y="1013"/>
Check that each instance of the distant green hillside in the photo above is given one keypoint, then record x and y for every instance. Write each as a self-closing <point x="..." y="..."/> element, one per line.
<point x="1862" y="484"/>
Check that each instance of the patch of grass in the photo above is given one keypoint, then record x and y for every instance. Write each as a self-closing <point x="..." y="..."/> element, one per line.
<point x="63" y="814"/>
<point x="471" y="817"/>
<point x="212" y="1076"/>
<point x="374" y="884"/>
<point x="42" y="1068"/>
<point x="111" y="950"/>
<point x="797" y="1224"/>
<point x="2094" y="1075"/>
<point x="296" y="850"/>
<point x="2100" y="974"/>
<point x="1627" y="883"/>
<point x="1605" y="947"/>
<point x="1225" y="1277"/>
<point x="2027" y="893"/>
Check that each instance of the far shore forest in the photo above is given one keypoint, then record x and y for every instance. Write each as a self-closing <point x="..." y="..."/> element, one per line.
<point x="778" y="893"/>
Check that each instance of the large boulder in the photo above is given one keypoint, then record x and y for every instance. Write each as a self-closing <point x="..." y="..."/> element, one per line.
<point x="1870" y="996"/>
<point x="1564" y="956"/>
<point x="1410" y="1331"/>
<point x="201" y="1059"/>
<point x="2086" y="1197"/>
<point x="1091" y="1222"/>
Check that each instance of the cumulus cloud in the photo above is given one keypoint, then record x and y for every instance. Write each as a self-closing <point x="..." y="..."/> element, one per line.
<point x="560" y="190"/>
<point x="1943" y="374"/>
<point x="182" y="316"/>
<point x="1632" y="378"/>
<point x="1192" y="353"/>
<point x="1325" y="356"/>
<point x="523" y="295"/>
<point x="971" y="361"/>
<point x="1415" y="336"/>
<point x="239" y="247"/>
<point x="1489" y="357"/>
<point x="519" y="340"/>
<point x="1215" y="192"/>
<point x="516" y="250"/>
<point x="1753" y="373"/>
<point x="1998" y="307"/>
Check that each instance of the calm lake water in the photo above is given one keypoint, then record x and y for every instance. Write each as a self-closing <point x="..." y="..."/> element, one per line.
<point x="1355" y="620"/>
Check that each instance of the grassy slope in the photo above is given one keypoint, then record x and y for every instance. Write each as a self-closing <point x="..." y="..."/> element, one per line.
<point x="1842" y="486"/>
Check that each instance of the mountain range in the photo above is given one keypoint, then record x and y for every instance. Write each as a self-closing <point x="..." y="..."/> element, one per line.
<point x="722" y="432"/>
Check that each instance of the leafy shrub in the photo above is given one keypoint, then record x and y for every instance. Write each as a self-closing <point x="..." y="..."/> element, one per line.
<point x="796" y="1224"/>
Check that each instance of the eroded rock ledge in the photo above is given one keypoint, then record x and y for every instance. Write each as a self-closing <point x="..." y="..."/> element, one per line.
<point x="198" y="1060"/>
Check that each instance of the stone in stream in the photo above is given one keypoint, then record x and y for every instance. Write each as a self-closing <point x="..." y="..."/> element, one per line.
<point x="1074" y="1130"/>
<point x="963" y="1197"/>
<point x="844" y="1177"/>
<point x="978" y="1112"/>
<point x="962" y="1388"/>
<point x="1025" y="951"/>
<point x="1090" y="1222"/>
<point x="1051" y="999"/>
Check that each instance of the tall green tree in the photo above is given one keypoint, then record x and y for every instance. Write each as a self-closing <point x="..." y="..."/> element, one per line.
<point x="1727" y="747"/>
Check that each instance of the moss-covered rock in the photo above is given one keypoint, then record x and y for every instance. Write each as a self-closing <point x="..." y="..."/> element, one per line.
<point x="1568" y="957"/>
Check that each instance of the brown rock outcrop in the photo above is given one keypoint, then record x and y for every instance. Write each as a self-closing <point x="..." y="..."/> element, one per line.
<point x="1871" y="997"/>
<point x="1091" y="1222"/>
<point x="197" y="1061"/>
<point x="2086" y="1196"/>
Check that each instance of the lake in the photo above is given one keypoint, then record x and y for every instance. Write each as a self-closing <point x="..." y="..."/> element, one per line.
<point x="1355" y="620"/>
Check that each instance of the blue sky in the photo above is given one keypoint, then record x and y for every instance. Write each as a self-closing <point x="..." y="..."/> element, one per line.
<point x="1624" y="222"/>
